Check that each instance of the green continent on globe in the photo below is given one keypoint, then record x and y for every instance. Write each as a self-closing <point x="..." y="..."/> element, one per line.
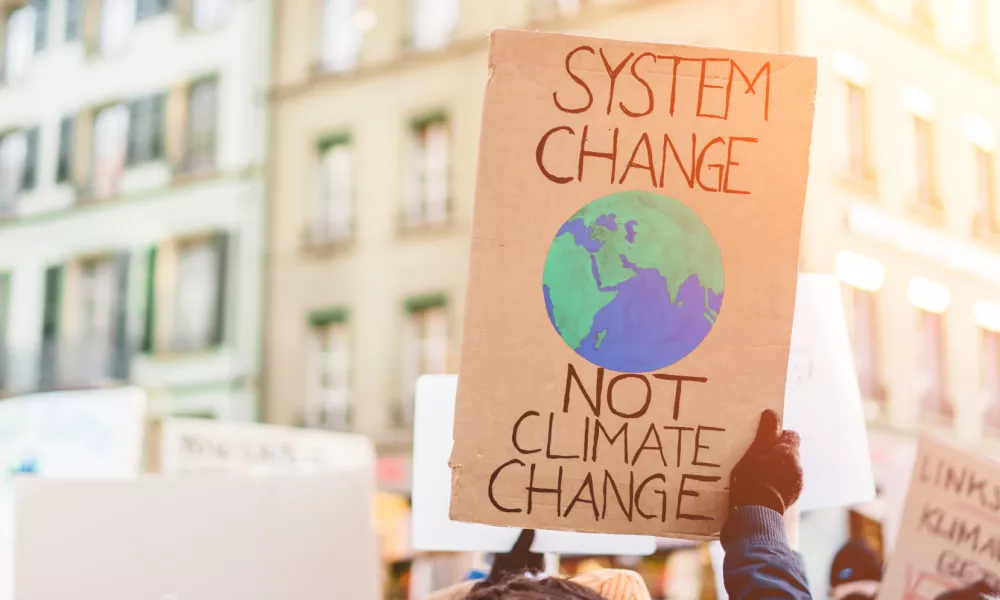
<point x="573" y="287"/>
<point x="633" y="281"/>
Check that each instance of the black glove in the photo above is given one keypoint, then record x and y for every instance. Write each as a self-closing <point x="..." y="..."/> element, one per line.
<point x="519" y="560"/>
<point x="976" y="591"/>
<point x="769" y="474"/>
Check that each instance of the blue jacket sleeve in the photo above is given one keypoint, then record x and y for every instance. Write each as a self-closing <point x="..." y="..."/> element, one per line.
<point x="759" y="563"/>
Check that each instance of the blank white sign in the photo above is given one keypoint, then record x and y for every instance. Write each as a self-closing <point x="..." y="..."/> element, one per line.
<point x="822" y="400"/>
<point x="434" y="531"/>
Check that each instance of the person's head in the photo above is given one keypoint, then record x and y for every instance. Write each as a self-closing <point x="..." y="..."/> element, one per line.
<point x="855" y="573"/>
<point x="602" y="584"/>
<point x="526" y="588"/>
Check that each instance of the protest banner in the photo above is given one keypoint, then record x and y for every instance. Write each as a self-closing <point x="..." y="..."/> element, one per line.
<point x="625" y="189"/>
<point x="85" y="433"/>
<point x="180" y="537"/>
<point x="823" y="402"/>
<point x="434" y="414"/>
<point x="949" y="535"/>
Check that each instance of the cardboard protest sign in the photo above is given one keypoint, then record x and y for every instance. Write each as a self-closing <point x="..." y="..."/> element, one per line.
<point x="202" y="446"/>
<point x="198" y="538"/>
<point x="432" y="529"/>
<point x="950" y="530"/>
<point x="632" y="280"/>
<point x="823" y="402"/>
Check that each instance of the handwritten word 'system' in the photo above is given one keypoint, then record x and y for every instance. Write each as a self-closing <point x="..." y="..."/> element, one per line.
<point x="708" y="162"/>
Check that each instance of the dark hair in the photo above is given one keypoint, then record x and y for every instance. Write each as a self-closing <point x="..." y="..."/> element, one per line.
<point x="524" y="588"/>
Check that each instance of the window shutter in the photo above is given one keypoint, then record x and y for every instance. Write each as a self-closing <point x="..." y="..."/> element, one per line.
<point x="119" y="329"/>
<point x="149" y="318"/>
<point x="50" y="325"/>
<point x="157" y="125"/>
<point x="90" y="17"/>
<point x="29" y="177"/>
<point x="132" y="138"/>
<point x="63" y="166"/>
<point x="83" y="132"/>
<point x="176" y="111"/>
<point x="221" y="240"/>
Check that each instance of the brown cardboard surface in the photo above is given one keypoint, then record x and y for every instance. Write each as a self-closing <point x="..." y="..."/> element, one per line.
<point x="686" y="418"/>
<point x="950" y="531"/>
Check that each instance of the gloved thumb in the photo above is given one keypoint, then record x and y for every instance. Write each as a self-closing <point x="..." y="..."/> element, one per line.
<point x="768" y="430"/>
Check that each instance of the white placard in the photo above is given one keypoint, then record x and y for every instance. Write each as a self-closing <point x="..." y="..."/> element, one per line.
<point x="434" y="531"/>
<point x="93" y="433"/>
<point x="822" y="400"/>
<point x="201" y="446"/>
<point x="198" y="538"/>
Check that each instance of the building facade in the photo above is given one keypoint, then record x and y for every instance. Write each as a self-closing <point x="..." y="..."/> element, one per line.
<point x="376" y="115"/>
<point x="903" y="203"/>
<point x="902" y="206"/>
<point x="132" y="137"/>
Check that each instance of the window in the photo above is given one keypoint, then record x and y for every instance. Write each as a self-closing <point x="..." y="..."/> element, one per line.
<point x="110" y="131"/>
<point x="13" y="157"/>
<point x="866" y="344"/>
<point x="20" y="42"/>
<point x="550" y="9"/>
<point x="934" y="403"/>
<point x="922" y="14"/>
<point x="201" y="129"/>
<point x="341" y="38"/>
<point x="332" y="214"/>
<point x="986" y="210"/>
<point x="145" y="9"/>
<point x="925" y="163"/>
<point x="74" y="19"/>
<point x="990" y="381"/>
<point x="64" y="163"/>
<point x="117" y="17"/>
<point x="427" y="193"/>
<point x="329" y="372"/>
<point x="858" y="130"/>
<point x="198" y="293"/>
<point x="425" y="346"/>
<point x="431" y="23"/>
<point x="206" y="14"/>
<point x="145" y="130"/>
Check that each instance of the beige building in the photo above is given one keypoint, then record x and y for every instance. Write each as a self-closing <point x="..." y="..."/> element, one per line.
<point x="376" y="113"/>
<point x="903" y="203"/>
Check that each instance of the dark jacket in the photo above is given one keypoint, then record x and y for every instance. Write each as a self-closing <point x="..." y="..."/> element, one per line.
<point x="759" y="563"/>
